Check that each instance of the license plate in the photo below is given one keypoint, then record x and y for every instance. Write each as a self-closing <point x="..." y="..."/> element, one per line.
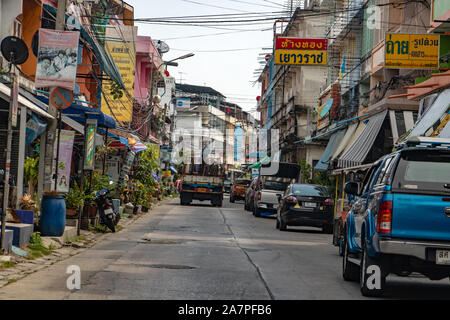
<point x="443" y="257"/>
<point x="310" y="204"/>
<point x="109" y="211"/>
<point x="202" y="190"/>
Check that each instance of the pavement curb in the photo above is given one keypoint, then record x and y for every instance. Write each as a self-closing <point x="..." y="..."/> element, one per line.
<point x="25" y="267"/>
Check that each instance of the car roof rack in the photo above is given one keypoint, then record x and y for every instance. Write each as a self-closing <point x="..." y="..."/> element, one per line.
<point x="426" y="142"/>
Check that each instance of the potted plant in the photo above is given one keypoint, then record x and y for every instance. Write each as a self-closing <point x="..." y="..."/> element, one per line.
<point x="74" y="200"/>
<point x="27" y="209"/>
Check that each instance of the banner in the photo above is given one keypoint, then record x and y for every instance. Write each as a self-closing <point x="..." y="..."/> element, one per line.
<point x="66" y="141"/>
<point x="89" y="154"/>
<point x="57" y="59"/>
<point x="124" y="55"/>
<point x="412" y="51"/>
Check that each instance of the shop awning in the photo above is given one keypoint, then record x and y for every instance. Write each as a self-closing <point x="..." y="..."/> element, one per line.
<point x="331" y="148"/>
<point x="357" y="152"/>
<point x="431" y="120"/>
<point x="401" y="122"/>
<point x="79" y="114"/>
<point x="5" y="91"/>
<point x="345" y="141"/>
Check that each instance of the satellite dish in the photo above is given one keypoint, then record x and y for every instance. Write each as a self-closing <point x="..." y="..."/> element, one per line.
<point x="161" y="46"/>
<point x="14" y="50"/>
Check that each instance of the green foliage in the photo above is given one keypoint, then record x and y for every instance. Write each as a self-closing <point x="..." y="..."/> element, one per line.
<point x="75" y="197"/>
<point x="31" y="172"/>
<point x="36" y="248"/>
<point x="321" y="178"/>
<point x="116" y="91"/>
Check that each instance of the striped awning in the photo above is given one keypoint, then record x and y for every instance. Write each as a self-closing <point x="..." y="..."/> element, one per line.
<point x="357" y="152"/>
<point x="333" y="144"/>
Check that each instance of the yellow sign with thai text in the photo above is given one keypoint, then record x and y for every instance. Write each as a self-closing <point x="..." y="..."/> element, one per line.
<point x="301" y="57"/>
<point x="123" y="54"/>
<point x="411" y="51"/>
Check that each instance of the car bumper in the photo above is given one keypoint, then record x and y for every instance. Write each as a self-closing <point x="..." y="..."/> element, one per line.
<point x="411" y="248"/>
<point x="307" y="218"/>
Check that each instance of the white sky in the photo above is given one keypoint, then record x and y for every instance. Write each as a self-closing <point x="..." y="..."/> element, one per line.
<point x="230" y="72"/>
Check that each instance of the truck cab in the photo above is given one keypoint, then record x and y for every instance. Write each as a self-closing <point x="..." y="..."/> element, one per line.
<point x="400" y="220"/>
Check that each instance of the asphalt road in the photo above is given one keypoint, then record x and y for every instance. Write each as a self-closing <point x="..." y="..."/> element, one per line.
<point x="203" y="252"/>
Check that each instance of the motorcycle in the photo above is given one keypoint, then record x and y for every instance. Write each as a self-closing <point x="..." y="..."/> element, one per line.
<point x="108" y="217"/>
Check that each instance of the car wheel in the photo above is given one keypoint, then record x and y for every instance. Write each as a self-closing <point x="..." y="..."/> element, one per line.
<point x="256" y="212"/>
<point x="232" y="199"/>
<point x="350" y="271"/>
<point x="283" y="225"/>
<point x="341" y="247"/>
<point x="370" y="286"/>
<point x="327" y="228"/>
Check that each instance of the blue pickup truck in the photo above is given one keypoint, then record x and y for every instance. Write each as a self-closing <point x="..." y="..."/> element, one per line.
<point x="400" y="220"/>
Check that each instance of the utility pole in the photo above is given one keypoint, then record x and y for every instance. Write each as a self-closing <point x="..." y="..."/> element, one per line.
<point x="51" y="133"/>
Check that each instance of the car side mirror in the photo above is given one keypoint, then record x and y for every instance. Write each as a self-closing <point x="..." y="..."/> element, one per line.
<point x="352" y="188"/>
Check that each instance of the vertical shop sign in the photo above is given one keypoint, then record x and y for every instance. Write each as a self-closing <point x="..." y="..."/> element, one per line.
<point x="123" y="53"/>
<point x="66" y="141"/>
<point x="89" y="155"/>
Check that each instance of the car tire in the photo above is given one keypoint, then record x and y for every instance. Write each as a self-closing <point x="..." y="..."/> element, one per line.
<point x="256" y="212"/>
<point x="366" y="262"/>
<point x="283" y="225"/>
<point x="350" y="271"/>
<point x="341" y="247"/>
<point x="327" y="228"/>
<point x="232" y="200"/>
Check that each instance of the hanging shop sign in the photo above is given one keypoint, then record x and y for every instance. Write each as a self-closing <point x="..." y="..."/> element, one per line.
<point x="123" y="53"/>
<point x="89" y="154"/>
<point x="411" y="51"/>
<point x="57" y="59"/>
<point x="34" y="129"/>
<point x="301" y="44"/>
<point x="126" y="167"/>
<point x="66" y="141"/>
<point x="297" y="51"/>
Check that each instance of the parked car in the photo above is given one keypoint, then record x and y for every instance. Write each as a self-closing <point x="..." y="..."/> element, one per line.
<point x="239" y="189"/>
<point x="267" y="192"/>
<point x="250" y="195"/>
<point x="400" y="221"/>
<point x="306" y="205"/>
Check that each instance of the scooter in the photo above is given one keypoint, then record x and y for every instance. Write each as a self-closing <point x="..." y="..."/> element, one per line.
<point x="105" y="208"/>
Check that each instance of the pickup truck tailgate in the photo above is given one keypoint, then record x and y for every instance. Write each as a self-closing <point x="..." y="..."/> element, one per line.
<point x="269" y="196"/>
<point x="424" y="217"/>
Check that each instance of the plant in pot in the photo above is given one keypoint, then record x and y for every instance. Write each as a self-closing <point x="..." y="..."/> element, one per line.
<point x="74" y="200"/>
<point x="27" y="209"/>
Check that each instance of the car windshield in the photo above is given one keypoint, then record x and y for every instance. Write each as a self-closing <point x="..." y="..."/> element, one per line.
<point x="243" y="182"/>
<point x="275" y="185"/>
<point x="310" y="190"/>
<point x="425" y="171"/>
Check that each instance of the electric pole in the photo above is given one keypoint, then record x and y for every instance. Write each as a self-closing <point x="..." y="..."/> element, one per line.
<point x="51" y="133"/>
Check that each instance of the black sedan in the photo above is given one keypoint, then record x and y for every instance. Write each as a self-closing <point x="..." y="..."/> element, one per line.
<point x="306" y="205"/>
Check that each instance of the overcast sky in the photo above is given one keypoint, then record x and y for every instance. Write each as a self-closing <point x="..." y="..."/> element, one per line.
<point x="229" y="72"/>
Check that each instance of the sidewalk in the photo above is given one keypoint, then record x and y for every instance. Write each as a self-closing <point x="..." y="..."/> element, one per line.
<point x="23" y="267"/>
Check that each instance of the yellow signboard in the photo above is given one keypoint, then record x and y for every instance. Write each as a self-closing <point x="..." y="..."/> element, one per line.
<point x="411" y="51"/>
<point x="124" y="55"/>
<point x="301" y="57"/>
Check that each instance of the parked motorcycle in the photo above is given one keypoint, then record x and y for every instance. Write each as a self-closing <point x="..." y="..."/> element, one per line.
<point x="108" y="217"/>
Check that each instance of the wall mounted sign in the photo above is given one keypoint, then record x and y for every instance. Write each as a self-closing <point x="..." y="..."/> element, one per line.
<point x="89" y="154"/>
<point x="411" y="51"/>
<point x="61" y="98"/>
<point x="297" y="51"/>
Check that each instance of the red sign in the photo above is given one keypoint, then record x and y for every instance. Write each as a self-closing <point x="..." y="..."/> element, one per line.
<point x="301" y="44"/>
<point x="61" y="98"/>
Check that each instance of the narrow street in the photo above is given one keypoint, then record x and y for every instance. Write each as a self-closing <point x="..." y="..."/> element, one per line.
<point x="203" y="252"/>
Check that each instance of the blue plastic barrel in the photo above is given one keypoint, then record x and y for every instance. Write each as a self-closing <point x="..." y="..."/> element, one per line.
<point x="53" y="216"/>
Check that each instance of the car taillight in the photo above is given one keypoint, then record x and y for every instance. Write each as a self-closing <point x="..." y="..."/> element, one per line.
<point x="291" y="199"/>
<point x="259" y="196"/>
<point x="384" y="224"/>
<point x="106" y="206"/>
<point x="328" y="202"/>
